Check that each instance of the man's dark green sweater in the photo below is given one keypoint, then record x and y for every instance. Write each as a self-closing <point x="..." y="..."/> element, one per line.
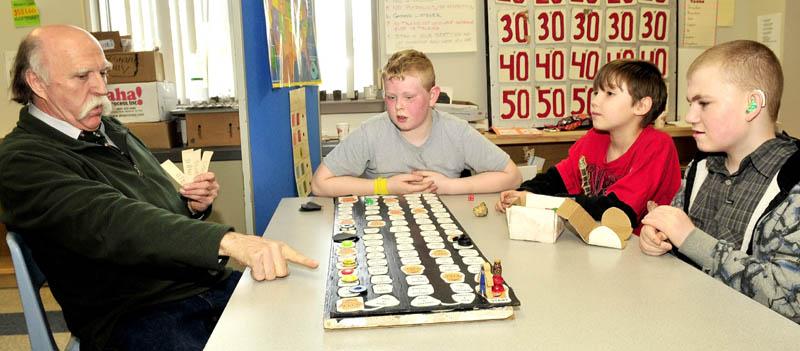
<point x="106" y="227"/>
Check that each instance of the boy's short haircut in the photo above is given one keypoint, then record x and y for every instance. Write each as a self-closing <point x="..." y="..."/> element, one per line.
<point x="410" y="62"/>
<point x="642" y="78"/>
<point x="748" y="65"/>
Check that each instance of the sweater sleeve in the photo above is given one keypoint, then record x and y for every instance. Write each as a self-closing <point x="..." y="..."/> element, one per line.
<point x="50" y="198"/>
<point x="771" y="274"/>
<point x="549" y="183"/>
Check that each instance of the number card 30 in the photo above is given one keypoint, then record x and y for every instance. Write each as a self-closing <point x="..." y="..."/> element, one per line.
<point x="513" y="27"/>
<point x="550" y="26"/>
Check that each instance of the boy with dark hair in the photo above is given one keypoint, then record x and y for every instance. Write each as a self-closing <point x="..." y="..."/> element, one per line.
<point x="738" y="215"/>
<point x="622" y="161"/>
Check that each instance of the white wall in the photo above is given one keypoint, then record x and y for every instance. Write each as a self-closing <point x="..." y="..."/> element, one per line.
<point x="744" y="27"/>
<point x="50" y="12"/>
<point x="790" y="104"/>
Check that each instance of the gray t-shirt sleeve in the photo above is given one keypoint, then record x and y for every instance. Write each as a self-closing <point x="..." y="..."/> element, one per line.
<point x="351" y="156"/>
<point x="480" y="154"/>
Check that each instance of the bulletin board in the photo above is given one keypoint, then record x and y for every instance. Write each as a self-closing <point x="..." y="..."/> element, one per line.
<point x="544" y="54"/>
<point x="269" y="126"/>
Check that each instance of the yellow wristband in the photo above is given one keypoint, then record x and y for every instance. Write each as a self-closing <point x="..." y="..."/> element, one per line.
<point x="380" y="186"/>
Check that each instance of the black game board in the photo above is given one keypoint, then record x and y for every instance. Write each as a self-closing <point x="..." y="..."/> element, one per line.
<point x="396" y="243"/>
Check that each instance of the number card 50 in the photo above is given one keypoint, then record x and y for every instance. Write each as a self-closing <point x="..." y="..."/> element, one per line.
<point x="516" y="102"/>
<point x="551" y="101"/>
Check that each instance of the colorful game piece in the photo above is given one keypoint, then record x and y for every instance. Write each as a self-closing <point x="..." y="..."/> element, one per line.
<point x="497" y="279"/>
<point x="471" y="197"/>
<point x="482" y="282"/>
<point x="349" y="262"/>
<point x="358" y="289"/>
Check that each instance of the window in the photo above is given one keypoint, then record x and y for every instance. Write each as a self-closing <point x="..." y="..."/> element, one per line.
<point x="193" y="35"/>
<point x="345" y="44"/>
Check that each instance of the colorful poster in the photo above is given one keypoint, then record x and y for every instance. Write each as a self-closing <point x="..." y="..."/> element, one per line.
<point x="292" y="43"/>
<point x="25" y="13"/>
<point x="300" y="149"/>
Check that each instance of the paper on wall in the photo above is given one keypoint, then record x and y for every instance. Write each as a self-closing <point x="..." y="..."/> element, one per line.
<point x="700" y="19"/>
<point x="768" y="30"/>
<point x="300" y="148"/>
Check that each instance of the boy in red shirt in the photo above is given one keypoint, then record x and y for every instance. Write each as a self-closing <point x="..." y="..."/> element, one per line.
<point x="627" y="161"/>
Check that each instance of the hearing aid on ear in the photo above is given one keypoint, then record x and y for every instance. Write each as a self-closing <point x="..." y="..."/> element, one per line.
<point x="752" y="106"/>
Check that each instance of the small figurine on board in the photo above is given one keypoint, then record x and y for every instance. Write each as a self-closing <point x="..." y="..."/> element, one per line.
<point x="497" y="279"/>
<point x="482" y="282"/>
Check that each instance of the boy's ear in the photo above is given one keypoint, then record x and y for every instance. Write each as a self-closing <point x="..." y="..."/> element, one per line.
<point x="642" y="107"/>
<point x="434" y="95"/>
<point x="756" y="101"/>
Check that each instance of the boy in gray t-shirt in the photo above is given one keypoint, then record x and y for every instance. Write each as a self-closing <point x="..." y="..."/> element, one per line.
<point x="411" y="148"/>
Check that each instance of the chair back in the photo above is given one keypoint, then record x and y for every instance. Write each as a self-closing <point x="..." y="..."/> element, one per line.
<point x="29" y="281"/>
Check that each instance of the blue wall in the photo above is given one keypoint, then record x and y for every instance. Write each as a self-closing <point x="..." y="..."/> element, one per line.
<point x="270" y="129"/>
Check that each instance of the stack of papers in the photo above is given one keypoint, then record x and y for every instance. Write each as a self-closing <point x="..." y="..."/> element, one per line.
<point x="195" y="162"/>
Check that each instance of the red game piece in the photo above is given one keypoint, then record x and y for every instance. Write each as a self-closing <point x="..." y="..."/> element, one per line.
<point x="471" y="197"/>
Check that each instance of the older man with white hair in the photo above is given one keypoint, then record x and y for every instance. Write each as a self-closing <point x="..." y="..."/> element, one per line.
<point x="127" y="257"/>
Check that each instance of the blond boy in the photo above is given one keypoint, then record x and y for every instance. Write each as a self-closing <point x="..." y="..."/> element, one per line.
<point x="737" y="214"/>
<point x="412" y="148"/>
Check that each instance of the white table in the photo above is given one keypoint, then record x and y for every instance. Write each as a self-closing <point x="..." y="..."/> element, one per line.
<point x="574" y="296"/>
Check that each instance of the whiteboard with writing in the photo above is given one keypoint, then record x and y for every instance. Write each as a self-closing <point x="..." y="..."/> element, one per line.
<point x="430" y="25"/>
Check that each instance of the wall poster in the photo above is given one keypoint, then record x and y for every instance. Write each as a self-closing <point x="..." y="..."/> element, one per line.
<point x="292" y="43"/>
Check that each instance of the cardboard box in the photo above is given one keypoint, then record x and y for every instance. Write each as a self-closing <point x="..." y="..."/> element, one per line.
<point x="136" y="67"/>
<point x="212" y="129"/>
<point x="142" y="102"/>
<point x="156" y="135"/>
<point x="533" y="224"/>
<point x="109" y="41"/>
<point x="464" y="110"/>
<point x="538" y="218"/>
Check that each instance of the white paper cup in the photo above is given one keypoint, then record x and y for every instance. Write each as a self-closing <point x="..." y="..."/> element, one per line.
<point x="342" y="129"/>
